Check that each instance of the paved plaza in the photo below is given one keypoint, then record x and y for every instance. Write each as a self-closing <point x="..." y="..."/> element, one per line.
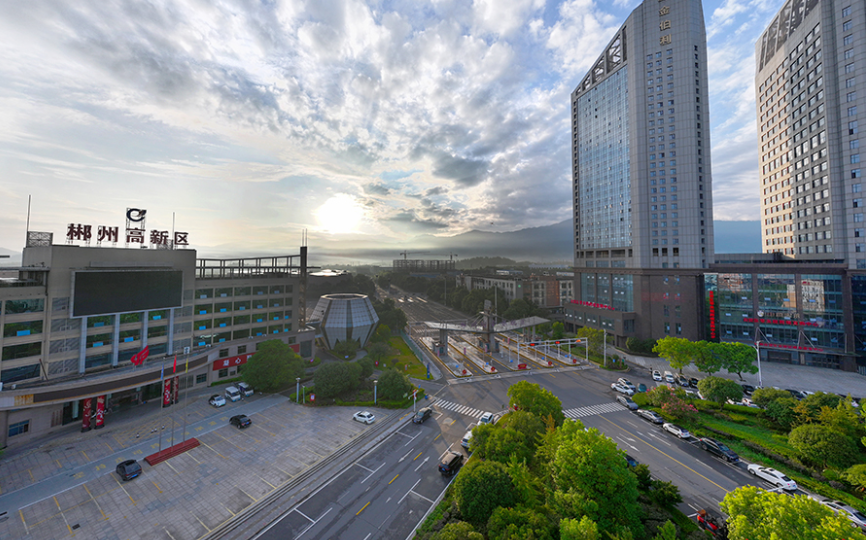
<point x="67" y="487"/>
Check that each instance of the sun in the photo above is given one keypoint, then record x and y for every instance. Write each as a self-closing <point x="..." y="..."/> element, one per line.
<point x="340" y="214"/>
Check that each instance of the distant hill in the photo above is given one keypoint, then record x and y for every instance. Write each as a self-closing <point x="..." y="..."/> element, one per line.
<point x="13" y="260"/>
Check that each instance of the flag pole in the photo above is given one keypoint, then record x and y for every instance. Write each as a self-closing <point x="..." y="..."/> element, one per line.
<point x="185" y="395"/>
<point x="162" y="400"/>
<point x="173" y="382"/>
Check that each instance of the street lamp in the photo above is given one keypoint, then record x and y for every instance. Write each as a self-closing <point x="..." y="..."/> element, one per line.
<point x="297" y="389"/>
<point x="375" y="387"/>
<point x="758" y="349"/>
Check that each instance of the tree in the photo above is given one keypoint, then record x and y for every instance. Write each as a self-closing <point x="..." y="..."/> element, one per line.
<point x="810" y="407"/>
<point x="558" y="330"/>
<point x="366" y="367"/>
<point x="856" y="476"/>
<point x="677" y="351"/>
<point x="378" y="352"/>
<point x="501" y="444"/>
<point x="665" y="494"/>
<point x="823" y="446"/>
<point x="335" y="378"/>
<point x="520" y="524"/>
<point x="346" y="348"/>
<point x="525" y="485"/>
<point x="458" y="531"/>
<point x="591" y="467"/>
<point x="720" y="390"/>
<point x="526" y="396"/>
<point x="583" y="529"/>
<point x="755" y="513"/>
<point x="480" y="488"/>
<point x="394" y="385"/>
<point x="272" y="366"/>
<point x="595" y="337"/>
<point x="781" y="411"/>
<point x="381" y="335"/>
<point x="763" y="396"/>
<point x="668" y="531"/>
<point x="519" y="308"/>
<point x="525" y="422"/>
<point x="739" y="358"/>
<point x="708" y="357"/>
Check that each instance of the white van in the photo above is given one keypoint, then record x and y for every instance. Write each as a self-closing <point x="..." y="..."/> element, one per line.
<point x="669" y="377"/>
<point x="466" y="439"/>
<point x="232" y="393"/>
<point x="245" y="389"/>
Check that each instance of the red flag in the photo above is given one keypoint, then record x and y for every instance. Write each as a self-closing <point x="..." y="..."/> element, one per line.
<point x="135" y="361"/>
<point x="174" y="369"/>
<point x="144" y="352"/>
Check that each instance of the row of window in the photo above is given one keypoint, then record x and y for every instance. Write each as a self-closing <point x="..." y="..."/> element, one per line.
<point x="226" y="292"/>
<point x="245" y="305"/>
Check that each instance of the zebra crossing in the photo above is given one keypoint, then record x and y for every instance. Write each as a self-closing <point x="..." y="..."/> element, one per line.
<point x="591" y="410"/>
<point x="461" y="409"/>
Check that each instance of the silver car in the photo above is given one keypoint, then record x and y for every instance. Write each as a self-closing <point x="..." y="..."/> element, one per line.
<point x="676" y="430"/>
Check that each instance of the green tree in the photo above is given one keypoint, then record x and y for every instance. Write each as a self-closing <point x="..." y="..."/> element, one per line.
<point x="843" y="418"/>
<point x="720" y="390"/>
<point x="366" y="367"/>
<point x="592" y="467"/>
<point x="520" y="524"/>
<point x="755" y="513"/>
<point x="379" y="352"/>
<point x="335" y="378"/>
<point x="668" y="531"/>
<point x="381" y="335"/>
<point x="583" y="529"/>
<point x="856" y="476"/>
<point x="458" y="531"/>
<point x="781" y="411"/>
<point x="677" y="351"/>
<point x="739" y="358"/>
<point x="501" y="444"/>
<point x="763" y="396"/>
<point x="346" y="348"/>
<point x="558" y="330"/>
<point x="274" y="365"/>
<point x="809" y="408"/>
<point x="595" y="337"/>
<point x="526" y="396"/>
<point x="708" y="356"/>
<point x="823" y="446"/>
<point x="665" y="494"/>
<point x="480" y="488"/>
<point x="527" y="423"/>
<point x="394" y="384"/>
<point x="519" y="309"/>
<point x="525" y="485"/>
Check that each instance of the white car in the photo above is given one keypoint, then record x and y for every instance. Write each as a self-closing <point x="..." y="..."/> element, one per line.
<point x="488" y="418"/>
<point x="622" y="389"/>
<point x="773" y="476"/>
<point x="856" y="517"/>
<point x="669" y="377"/>
<point x="626" y="382"/>
<point x="657" y="376"/>
<point x="365" y="417"/>
<point x="217" y="400"/>
<point x="676" y="430"/>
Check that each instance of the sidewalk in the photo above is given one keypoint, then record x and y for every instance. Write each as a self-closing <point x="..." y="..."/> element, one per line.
<point x="784" y="376"/>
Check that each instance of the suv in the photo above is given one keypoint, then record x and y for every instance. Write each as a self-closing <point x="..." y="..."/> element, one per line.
<point x="240" y="421"/>
<point x="627" y="402"/>
<point x="127" y="470"/>
<point x="625" y="382"/>
<point x="467" y="438"/>
<point x="488" y="418"/>
<point x="451" y="463"/>
<point x="245" y="389"/>
<point x="422" y="414"/>
<point x="217" y="400"/>
<point x="622" y="389"/>
<point x="232" y="393"/>
<point x="715" y="447"/>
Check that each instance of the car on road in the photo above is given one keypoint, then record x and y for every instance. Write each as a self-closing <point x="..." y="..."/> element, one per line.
<point x="651" y="416"/>
<point x="240" y="421"/>
<point x="467" y="438"/>
<point x="715" y="447"/>
<point x="748" y="389"/>
<point x="657" y="376"/>
<point x="641" y="388"/>
<point x="693" y="382"/>
<point x="217" y="400"/>
<point x="245" y="389"/>
<point x="857" y="518"/>
<point x="682" y="381"/>
<point x="622" y="389"/>
<point x="796" y="394"/>
<point x="450" y="463"/>
<point x="423" y="414"/>
<point x="772" y="476"/>
<point x="854" y="401"/>
<point x="669" y="377"/>
<point x="488" y="418"/>
<point x="627" y="402"/>
<point x="127" y="470"/>
<point x="676" y="430"/>
<point x="625" y="382"/>
<point x="364" y="417"/>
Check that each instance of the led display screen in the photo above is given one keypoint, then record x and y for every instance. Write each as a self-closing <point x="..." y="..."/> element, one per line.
<point x="100" y="293"/>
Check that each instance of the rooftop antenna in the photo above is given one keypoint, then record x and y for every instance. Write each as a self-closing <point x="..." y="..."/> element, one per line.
<point x="27" y="231"/>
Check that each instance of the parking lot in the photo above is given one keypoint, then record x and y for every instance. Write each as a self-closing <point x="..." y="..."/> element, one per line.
<point x="71" y="489"/>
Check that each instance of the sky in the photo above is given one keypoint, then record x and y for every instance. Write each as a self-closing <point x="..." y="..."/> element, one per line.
<point x="245" y="123"/>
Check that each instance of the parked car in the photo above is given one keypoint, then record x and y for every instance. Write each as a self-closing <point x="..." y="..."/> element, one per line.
<point x="748" y="389"/>
<point x="641" y="388"/>
<point x="240" y="421"/>
<point x="627" y="402"/>
<point x="217" y="400"/>
<point x="651" y="416"/>
<point x="245" y="389"/>
<point x="657" y="376"/>
<point x="630" y="461"/>
<point x="693" y="382"/>
<point x="857" y="518"/>
<point x="129" y="469"/>
<point x="364" y="417"/>
<point x="676" y="430"/>
<point x="773" y="476"/>
<point x="625" y="382"/>
<point x="450" y="463"/>
<point x="423" y="414"/>
<point x="232" y="393"/>
<point x="488" y="418"/>
<point x="682" y="381"/>
<point x="467" y="438"/>
<point x="669" y="377"/>
<point x="796" y="394"/>
<point x="622" y="389"/>
<point x="715" y="447"/>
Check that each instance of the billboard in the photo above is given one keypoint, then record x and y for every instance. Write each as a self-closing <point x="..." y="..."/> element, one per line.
<point x="105" y="292"/>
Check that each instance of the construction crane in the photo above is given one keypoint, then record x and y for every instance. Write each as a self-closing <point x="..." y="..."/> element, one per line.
<point x="407" y="253"/>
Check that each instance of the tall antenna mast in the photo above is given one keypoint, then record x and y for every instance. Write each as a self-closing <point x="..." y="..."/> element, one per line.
<point x="27" y="231"/>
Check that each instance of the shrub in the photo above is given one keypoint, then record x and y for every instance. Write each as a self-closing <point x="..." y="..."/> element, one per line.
<point x="823" y="446"/>
<point x="394" y="385"/>
<point x="480" y="488"/>
<point x="335" y="378"/>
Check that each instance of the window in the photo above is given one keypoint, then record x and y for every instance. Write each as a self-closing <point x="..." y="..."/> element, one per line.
<point x="223" y="373"/>
<point x="200" y="379"/>
<point x="846" y="26"/>
<point x="851" y="96"/>
<point x="849" y="53"/>
<point x="846" y="11"/>
<point x="852" y="111"/>
<point x="19" y="427"/>
<point x="849" y="68"/>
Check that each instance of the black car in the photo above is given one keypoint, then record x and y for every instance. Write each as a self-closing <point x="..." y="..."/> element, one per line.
<point x="630" y="461"/>
<point x="693" y="382"/>
<point x="748" y="389"/>
<point x="422" y="414"/>
<point x="128" y="469"/>
<point x="796" y="394"/>
<point x="715" y="447"/>
<point x="240" y="421"/>
<point x="451" y="463"/>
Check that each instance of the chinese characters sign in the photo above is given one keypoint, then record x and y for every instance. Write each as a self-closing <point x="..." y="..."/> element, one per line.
<point x="136" y="232"/>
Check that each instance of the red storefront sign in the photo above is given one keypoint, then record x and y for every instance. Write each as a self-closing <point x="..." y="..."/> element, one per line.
<point x="782" y="321"/>
<point x="593" y="305"/>
<point x="85" y="414"/>
<point x="176" y="386"/>
<point x="166" y="393"/>
<point x="100" y="412"/>
<point x="712" y="316"/>
<point x="231" y="361"/>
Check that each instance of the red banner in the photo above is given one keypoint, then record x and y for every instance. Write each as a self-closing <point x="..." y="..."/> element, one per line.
<point x="100" y="412"/>
<point x="85" y="414"/>
<point x="139" y="357"/>
<point x="166" y="393"/>
<point x="176" y="387"/>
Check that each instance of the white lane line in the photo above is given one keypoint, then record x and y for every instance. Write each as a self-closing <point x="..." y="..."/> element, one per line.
<point x="411" y="439"/>
<point x="313" y="524"/>
<point x="422" y="463"/>
<point x="408" y="492"/>
<point x="404" y="457"/>
<point x="419" y="495"/>
<point x="372" y="473"/>
<point x="403" y="434"/>
<point x="305" y="515"/>
<point x="365" y="468"/>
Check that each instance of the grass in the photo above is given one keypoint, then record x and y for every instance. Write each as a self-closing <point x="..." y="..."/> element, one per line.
<point x="406" y="361"/>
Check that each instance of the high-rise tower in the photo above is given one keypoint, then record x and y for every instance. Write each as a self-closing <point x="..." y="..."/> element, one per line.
<point x="643" y="218"/>
<point x="808" y="63"/>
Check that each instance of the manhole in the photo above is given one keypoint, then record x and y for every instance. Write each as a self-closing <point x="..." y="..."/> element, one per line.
<point x="76" y="526"/>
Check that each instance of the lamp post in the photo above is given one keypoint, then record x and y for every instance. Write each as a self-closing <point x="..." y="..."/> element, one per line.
<point x="304" y="394"/>
<point x="297" y="389"/>
<point x="758" y="349"/>
<point x="375" y="388"/>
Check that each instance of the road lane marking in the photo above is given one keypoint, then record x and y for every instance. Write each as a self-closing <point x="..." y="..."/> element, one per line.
<point x="389" y="483"/>
<point x="124" y="490"/>
<point x="404" y="457"/>
<point x="372" y="473"/>
<point x="426" y="459"/>
<point x="362" y="508"/>
<point x="92" y="498"/>
<point x="437" y="436"/>
<point x="200" y="521"/>
<point x="21" y="513"/>
<point x="60" y="510"/>
<point x="416" y="457"/>
<point x="305" y="515"/>
<point x="365" y="468"/>
<point x="408" y="492"/>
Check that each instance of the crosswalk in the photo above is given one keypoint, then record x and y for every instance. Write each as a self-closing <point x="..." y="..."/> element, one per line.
<point x="461" y="409"/>
<point x="591" y="410"/>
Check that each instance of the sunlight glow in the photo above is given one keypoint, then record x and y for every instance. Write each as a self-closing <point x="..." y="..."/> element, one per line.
<point x="340" y="214"/>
